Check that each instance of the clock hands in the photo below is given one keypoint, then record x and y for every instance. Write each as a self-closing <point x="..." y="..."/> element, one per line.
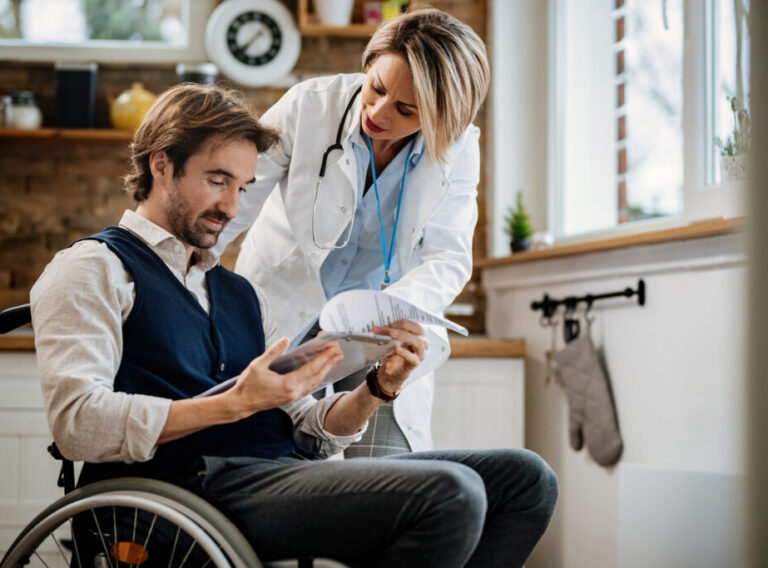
<point x="254" y="37"/>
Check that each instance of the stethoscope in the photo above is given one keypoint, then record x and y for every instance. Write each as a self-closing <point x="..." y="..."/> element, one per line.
<point x="331" y="148"/>
<point x="386" y="251"/>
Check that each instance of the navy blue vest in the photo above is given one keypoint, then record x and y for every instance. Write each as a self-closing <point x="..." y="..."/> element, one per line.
<point x="173" y="349"/>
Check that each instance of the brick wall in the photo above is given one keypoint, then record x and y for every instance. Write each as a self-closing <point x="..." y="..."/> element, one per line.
<point x="53" y="192"/>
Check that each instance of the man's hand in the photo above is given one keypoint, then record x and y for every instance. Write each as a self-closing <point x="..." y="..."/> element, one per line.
<point x="260" y="388"/>
<point x="256" y="389"/>
<point x="396" y="368"/>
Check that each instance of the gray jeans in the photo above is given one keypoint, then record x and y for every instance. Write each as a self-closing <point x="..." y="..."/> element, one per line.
<point x="482" y="508"/>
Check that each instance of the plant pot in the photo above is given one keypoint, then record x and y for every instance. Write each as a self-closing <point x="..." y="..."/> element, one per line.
<point x="334" y="12"/>
<point x="519" y="245"/>
<point x="734" y="167"/>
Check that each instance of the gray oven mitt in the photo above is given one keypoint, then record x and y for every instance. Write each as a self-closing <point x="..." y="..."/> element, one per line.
<point x="592" y="412"/>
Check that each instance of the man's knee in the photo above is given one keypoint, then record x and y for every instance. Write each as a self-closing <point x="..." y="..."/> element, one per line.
<point x="459" y="492"/>
<point x="543" y="483"/>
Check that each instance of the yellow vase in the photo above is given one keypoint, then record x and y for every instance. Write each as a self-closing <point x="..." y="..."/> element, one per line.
<point x="128" y="110"/>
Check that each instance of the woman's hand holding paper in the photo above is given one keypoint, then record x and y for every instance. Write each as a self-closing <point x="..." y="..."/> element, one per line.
<point x="396" y="368"/>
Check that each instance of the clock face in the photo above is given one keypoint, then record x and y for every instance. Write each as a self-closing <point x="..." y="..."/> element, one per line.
<point x="253" y="42"/>
<point x="254" y="38"/>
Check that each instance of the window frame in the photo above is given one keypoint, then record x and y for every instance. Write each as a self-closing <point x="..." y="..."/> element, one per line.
<point x="196" y="13"/>
<point x="703" y="198"/>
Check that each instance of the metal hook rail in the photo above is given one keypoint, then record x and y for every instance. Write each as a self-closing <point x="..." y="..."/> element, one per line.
<point x="549" y="305"/>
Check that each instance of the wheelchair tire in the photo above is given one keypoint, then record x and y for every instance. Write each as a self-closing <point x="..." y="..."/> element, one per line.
<point x="203" y="525"/>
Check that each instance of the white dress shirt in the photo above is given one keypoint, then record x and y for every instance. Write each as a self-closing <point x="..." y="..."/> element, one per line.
<point x="79" y="305"/>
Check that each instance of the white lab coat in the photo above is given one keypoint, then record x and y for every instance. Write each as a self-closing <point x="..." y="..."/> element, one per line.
<point x="434" y="241"/>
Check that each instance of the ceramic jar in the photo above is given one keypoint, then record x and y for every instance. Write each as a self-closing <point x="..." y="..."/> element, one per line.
<point x="24" y="113"/>
<point x="128" y="110"/>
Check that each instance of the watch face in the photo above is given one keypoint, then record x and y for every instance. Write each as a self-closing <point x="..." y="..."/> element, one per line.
<point x="254" y="38"/>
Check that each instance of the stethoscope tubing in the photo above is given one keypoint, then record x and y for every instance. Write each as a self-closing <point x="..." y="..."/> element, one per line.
<point x="335" y="146"/>
<point x="339" y="132"/>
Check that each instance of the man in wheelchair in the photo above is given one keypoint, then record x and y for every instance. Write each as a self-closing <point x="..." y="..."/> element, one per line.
<point x="133" y="322"/>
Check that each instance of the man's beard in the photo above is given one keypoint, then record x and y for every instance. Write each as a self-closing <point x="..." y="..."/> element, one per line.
<point x="188" y="229"/>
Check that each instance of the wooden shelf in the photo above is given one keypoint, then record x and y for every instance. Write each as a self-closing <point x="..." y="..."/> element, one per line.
<point x="480" y="347"/>
<point x="472" y="347"/>
<point x="700" y="230"/>
<point x="94" y="134"/>
<point x="17" y="342"/>
<point x="310" y="26"/>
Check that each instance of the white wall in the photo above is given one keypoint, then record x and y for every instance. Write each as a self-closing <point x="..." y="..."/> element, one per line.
<point x="676" y="367"/>
<point x="518" y="100"/>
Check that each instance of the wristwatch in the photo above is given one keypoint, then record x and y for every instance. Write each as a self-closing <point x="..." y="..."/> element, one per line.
<point x="372" y="380"/>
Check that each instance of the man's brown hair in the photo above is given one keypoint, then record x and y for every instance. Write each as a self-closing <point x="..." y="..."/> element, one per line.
<point x="182" y="120"/>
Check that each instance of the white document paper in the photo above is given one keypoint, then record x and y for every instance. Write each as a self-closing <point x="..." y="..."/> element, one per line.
<point x="357" y="311"/>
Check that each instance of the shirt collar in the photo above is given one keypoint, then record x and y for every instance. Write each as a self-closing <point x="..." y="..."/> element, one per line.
<point x="164" y="244"/>
<point x="357" y="139"/>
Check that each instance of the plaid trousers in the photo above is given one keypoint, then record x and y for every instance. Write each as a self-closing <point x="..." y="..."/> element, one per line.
<point x="383" y="436"/>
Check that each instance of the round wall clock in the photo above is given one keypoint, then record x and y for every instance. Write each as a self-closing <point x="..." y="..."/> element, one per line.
<point x="254" y="42"/>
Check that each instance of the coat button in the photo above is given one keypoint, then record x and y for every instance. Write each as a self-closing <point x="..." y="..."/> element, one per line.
<point x="302" y="314"/>
<point x="343" y="209"/>
<point x="222" y="366"/>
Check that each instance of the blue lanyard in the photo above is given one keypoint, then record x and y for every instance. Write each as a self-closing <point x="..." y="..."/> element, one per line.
<point x="387" y="254"/>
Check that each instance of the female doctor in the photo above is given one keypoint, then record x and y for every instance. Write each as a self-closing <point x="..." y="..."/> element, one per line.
<point x="377" y="178"/>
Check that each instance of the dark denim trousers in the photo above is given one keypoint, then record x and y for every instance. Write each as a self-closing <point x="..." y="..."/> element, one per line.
<point x="481" y="508"/>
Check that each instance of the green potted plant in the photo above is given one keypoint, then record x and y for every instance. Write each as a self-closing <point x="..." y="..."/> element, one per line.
<point x="517" y="224"/>
<point x="734" y="150"/>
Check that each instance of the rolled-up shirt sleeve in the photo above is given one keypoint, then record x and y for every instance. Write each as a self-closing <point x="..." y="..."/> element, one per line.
<point x="308" y="416"/>
<point x="78" y="307"/>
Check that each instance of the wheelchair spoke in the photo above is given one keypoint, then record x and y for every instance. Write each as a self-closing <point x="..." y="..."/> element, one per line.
<point x="41" y="560"/>
<point x="101" y="535"/>
<point x="173" y="550"/>
<point x="135" y="520"/>
<point x="74" y="544"/>
<point x="187" y="555"/>
<point x="61" y="550"/>
<point x="149" y="532"/>
<point x="207" y="562"/>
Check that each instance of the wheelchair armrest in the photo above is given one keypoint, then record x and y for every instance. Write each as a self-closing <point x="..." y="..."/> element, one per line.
<point x="14" y="317"/>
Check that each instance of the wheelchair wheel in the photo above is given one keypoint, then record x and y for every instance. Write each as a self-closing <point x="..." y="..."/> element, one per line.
<point x="131" y="522"/>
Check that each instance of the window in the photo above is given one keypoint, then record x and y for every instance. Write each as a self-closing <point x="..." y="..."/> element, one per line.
<point x="104" y="30"/>
<point x="76" y="21"/>
<point x="728" y="73"/>
<point x="642" y="88"/>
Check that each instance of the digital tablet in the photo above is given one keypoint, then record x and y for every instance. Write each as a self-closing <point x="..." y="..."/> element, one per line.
<point x="360" y="351"/>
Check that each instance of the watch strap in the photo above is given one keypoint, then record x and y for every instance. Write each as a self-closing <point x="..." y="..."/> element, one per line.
<point x="372" y="380"/>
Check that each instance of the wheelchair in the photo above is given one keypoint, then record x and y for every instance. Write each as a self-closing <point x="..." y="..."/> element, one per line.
<point x="131" y="521"/>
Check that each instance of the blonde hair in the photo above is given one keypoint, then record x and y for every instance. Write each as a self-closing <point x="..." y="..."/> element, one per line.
<point x="181" y="121"/>
<point x="450" y="71"/>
